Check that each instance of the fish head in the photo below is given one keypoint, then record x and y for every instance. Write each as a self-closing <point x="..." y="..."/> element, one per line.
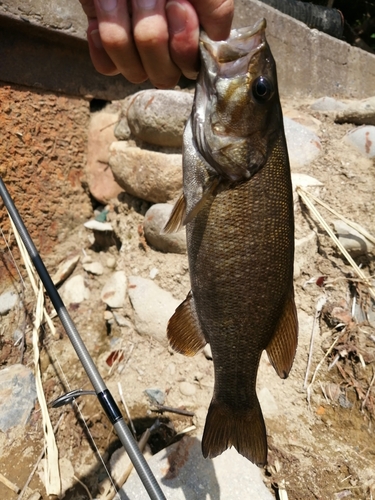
<point x="237" y="114"/>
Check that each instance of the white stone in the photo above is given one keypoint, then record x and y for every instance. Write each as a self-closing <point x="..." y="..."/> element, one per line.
<point x="114" y="291"/>
<point x="153" y="307"/>
<point x="7" y="301"/>
<point x="363" y="139"/>
<point x="65" y="269"/>
<point x="98" y="226"/>
<point x="267" y="403"/>
<point x="74" y="290"/>
<point x="328" y="104"/>
<point x="303" y="145"/>
<point x="353" y="241"/>
<point x="187" y="389"/>
<point x="93" y="268"/>
<point x="155" y="220"/>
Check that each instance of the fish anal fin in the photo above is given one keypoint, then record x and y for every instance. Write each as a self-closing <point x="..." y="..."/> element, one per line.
<point x="210" y="191"/>
<point x="282" y="348"/>
<point x="245" y="430"/>
<point x="184" y="331"/>
<point x="176" y="219"/>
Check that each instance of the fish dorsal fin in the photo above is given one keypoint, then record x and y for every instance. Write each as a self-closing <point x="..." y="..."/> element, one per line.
<point x="210" y="191"/>
<point x="176" y="219"/>
<point x="184" y="331"/>
<point x="282" y="348"/>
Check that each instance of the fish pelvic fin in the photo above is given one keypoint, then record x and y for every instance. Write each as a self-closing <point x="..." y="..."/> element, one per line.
<point x="282" y="348"/>
<point x="176" y="219"/>
<point x="184" y="331"/>
<point x="210" y="191"/>
<point x="245" y="430"/>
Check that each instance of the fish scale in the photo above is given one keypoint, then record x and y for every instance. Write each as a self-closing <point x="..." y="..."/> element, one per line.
<point x="240" y="238"/>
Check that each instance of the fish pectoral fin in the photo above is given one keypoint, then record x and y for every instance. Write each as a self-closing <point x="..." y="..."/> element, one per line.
<point x="243" y="429"/>
<point x="210" y="191"/>
<point x="176" y="219"/>
<point x="282" y="348"/>
<point x="184" y="331"/>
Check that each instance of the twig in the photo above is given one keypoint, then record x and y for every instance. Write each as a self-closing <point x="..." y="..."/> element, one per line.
<point x="9" y="484"/>
<point x="38" y="460"/>
<point x="368" y="391"/>
<point x="84" y="486"/>
<point x="319" y="305"/>
<point x="162" y="408"/>
<point x="126" y="408"/>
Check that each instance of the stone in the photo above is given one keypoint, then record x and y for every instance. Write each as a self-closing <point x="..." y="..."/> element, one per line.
<point x="121" y="320"/>
<point x="187" y="389"/>
<point x="98" y="226"/>
<point x="152" y="306"/>
<point x="102" y="185"/>
<point x="353" y="241"/>
<point x="156" y="396"/>
<point x="155" y="220"/>
<point x="74" y="290"/>
<point x="303" y="145"/>
<point x="65" y="269"/>
<point x="304" y="180"/>
<point x="328" y="104"/>
<point x="359" y="112"/>
<point x="306" y="249"/>
<point x="111" y="262"/>
<point x="207" y="351"/>
<point x="8" y="300"/>
<point x="183" y="473"/>
<point x="114" y="291"/>
<point x="17" y="396"/>
<point x="149" y="175"/>
<point x="267" y="403"/>
<point x="159" y="116"/>
<point x="93" y="268"/>
<point x="363" y="139"/>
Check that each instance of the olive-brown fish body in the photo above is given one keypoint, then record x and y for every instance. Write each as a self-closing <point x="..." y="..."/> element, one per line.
<point x="238" y="209"/>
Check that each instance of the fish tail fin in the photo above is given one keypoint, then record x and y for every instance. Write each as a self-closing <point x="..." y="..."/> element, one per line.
<point x="245" y="430"/>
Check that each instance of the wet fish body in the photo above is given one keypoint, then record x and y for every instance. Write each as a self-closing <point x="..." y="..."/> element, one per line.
<point x="237" y="205"/>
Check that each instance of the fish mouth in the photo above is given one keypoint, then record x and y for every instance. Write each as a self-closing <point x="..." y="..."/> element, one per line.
<point x="232" y="56"/>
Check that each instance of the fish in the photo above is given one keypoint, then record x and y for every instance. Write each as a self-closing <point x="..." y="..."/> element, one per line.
<point x="237" y="207"/>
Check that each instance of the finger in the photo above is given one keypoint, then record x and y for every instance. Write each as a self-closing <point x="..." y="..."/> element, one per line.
<point x="183" y="26"/>
<point x="99" y="57"/>
<point x="116" y="36"/>
<point x="150" y="31"/>
<point x="215" y="17"/>
<point x="88" y="8"/>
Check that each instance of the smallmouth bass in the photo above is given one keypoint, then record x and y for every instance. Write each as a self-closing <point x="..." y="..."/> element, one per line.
<point x="237" y="206"/>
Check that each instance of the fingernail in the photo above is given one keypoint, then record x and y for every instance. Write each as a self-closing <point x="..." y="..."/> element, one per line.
<point x="108" y="5"/>
<point x="146" y="4"/>
<point x="176" y="15"/>
<point x="95" y="37"/>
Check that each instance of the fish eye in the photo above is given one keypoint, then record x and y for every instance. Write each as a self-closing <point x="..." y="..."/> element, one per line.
<point x="262" y="89"/>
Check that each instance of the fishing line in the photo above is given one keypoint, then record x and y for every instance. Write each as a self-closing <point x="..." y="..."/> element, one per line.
<point x="103" y="394"/>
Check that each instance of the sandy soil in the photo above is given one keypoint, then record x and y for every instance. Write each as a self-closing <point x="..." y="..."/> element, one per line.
<point x="319" y="449"/>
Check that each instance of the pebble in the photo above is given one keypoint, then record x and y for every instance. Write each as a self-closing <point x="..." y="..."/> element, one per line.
<point x="17" y="396"/>
<point x="187" y="389"/>
<point x="114" y="291"/>
<point x="152" y="306"/>
<point x="183" y="473"/>
<point x="111" y="262"/>
<point x="156" y="396"/>
<point x="353" y="241"/>
<point x="98" y="226"/>
<point x="65" y="269"/>
<point x="154" y="222"/>
<point x="74" y="290"/>
<point x="363" y="139"/>
<point x="93" y="268"/>
<point x="303" y="145"/>
<point x="159" y="116"/>
<point x="149" y="175"/>
<point x="121" y="320"/>
<point x="153" y="273"/>
<point x="359" y="112"/>
<point x="8" y="300"/>
<point x="328" y="104"/>
<point x="119" y="463"/>
<point x="207" y="351"/>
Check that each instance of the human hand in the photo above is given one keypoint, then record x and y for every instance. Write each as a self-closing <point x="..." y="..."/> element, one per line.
<point x="152" y="39"/>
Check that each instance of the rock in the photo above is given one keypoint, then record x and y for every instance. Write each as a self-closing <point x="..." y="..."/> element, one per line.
<point x="149" y="175"/>
<point x="328" y="104"/>
<point x="65" y="269"/>
<point x="207" y="351"/>
<point x="359" y="112"/>
<point x="304" y="180"/>
<point x="121" y="320"/>
<point x="187" y="389"/>
<point x="74" y="290"/>
<point x="17" y="396"/>
<point x="159" y="116"/>
<point x="93" y="268"/>
<point x="305" y="252"/>
<point x="102" y="236"/>
<point x="183" y="473"/>
<point x="353" y="241"/>
<point x="155" y="219"/>
<point x="153" y="307"/>
<point x="122" y="130"/>
<point x="156" y="396"/>
<point x="363" y="139"/>
<point x="303" y="145"/>
<point x="114" y="291"/>
<point x="153" y="273"/>
<point x="267" y="403"/>
<point x="111" y="262"/>
<point x="8" y="300"/>
<point x="119" y="463"/>
<point x="98" y="226"/>
<point x="100" y="179"/>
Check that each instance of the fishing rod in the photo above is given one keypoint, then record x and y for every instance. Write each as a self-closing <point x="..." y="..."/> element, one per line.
<point x="102" y="392"/>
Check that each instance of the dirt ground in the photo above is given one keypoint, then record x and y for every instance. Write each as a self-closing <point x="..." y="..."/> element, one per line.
<point x="320" y="447"/>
